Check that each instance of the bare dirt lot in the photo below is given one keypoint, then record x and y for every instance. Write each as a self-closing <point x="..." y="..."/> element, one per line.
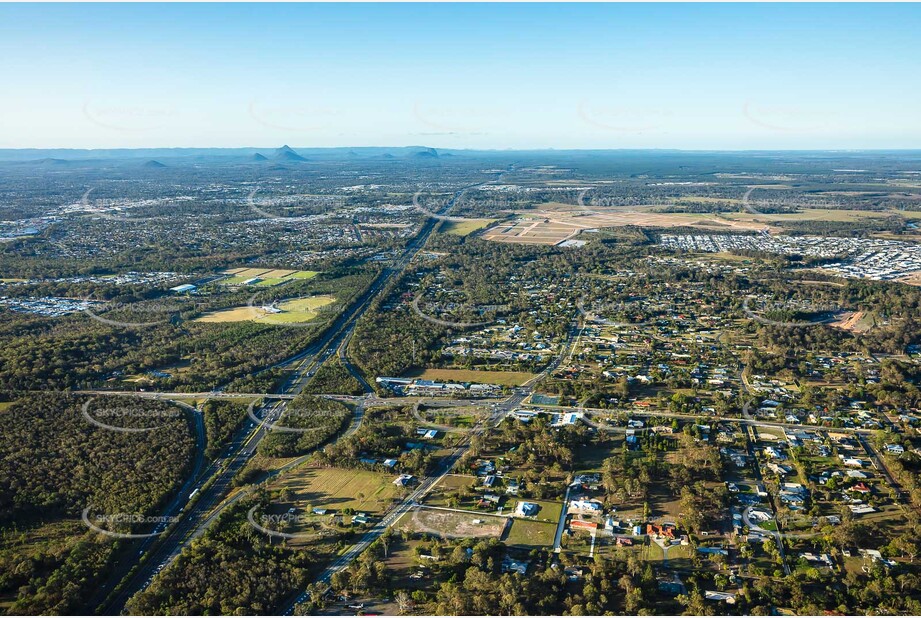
<point x="453" y="524"/>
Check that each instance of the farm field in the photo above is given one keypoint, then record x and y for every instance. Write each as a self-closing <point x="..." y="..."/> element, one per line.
<point x="298" y="310"/>
<point x="338" y="489"/>
<point x="504" y="378"/>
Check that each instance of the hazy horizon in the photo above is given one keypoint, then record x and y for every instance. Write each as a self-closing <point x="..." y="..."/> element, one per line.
<point x="482" y="77"/>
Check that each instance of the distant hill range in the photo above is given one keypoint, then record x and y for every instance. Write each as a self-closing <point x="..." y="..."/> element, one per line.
<point x="642" y="161"/>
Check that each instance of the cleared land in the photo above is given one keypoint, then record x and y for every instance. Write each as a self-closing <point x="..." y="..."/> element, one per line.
<point x="553" y="227"/>
<point x="552" y="223"/>
<point x="292" y="311"/>
<point x="454" y="524"/>
<point x="504" y="378"/>
<point x="464" y="228"/>
<point x="815" y="214"/>
<point x="856" y="322"/>
<point x="338" y="489"/>
<point x="913" y="279"/>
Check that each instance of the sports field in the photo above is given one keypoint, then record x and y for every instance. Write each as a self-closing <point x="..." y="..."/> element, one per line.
<point x="338" y="489"/>
<point x="268" y="276"/>
<point x="293" y="311"/>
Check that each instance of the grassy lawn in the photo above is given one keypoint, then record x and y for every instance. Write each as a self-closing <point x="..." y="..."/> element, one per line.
<point x="338" y="489"/>
<point x="270" y="282"/>
<point x="304" y="274"/>
<point x="277" y="273"/>
<point x="549" y="511"/>
<point x="505" y="378"/>
<point x="530" y="534"/>
<point x="297" y="310"/>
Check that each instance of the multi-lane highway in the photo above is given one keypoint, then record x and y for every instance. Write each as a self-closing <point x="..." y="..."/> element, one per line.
<point x="210" y="489"/>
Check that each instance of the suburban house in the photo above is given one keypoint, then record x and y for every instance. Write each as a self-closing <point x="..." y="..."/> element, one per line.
<point x="526" y="509"/>
<point x="585" y="506"/>
<point x="582" y="524"/>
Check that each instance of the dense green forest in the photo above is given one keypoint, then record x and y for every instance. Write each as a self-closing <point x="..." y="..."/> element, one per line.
<point x="332" y="378"/>
<point x="314" y="421"/>
<point x="53" y="464"/>
<point x="232" y="570"/>
<point x="222" y="418"/>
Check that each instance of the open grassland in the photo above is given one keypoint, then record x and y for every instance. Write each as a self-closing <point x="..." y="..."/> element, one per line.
<point x="465" y="228"/>
<point x="298" y="310"/>
<point x="504" y="378"/>
<point x="338" y="489"/>
<point x="450" y="484"/>
<point x="816" y="214"/>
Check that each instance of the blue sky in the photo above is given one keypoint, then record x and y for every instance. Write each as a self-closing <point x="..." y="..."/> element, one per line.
<point x="706" y="76"/>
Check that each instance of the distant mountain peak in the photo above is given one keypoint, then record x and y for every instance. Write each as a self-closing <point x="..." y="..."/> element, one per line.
<point x="260" y="157"/>
<point x="154" y="164"/>
<point x="426" y="153"/>
<point x="286" y="153"/>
